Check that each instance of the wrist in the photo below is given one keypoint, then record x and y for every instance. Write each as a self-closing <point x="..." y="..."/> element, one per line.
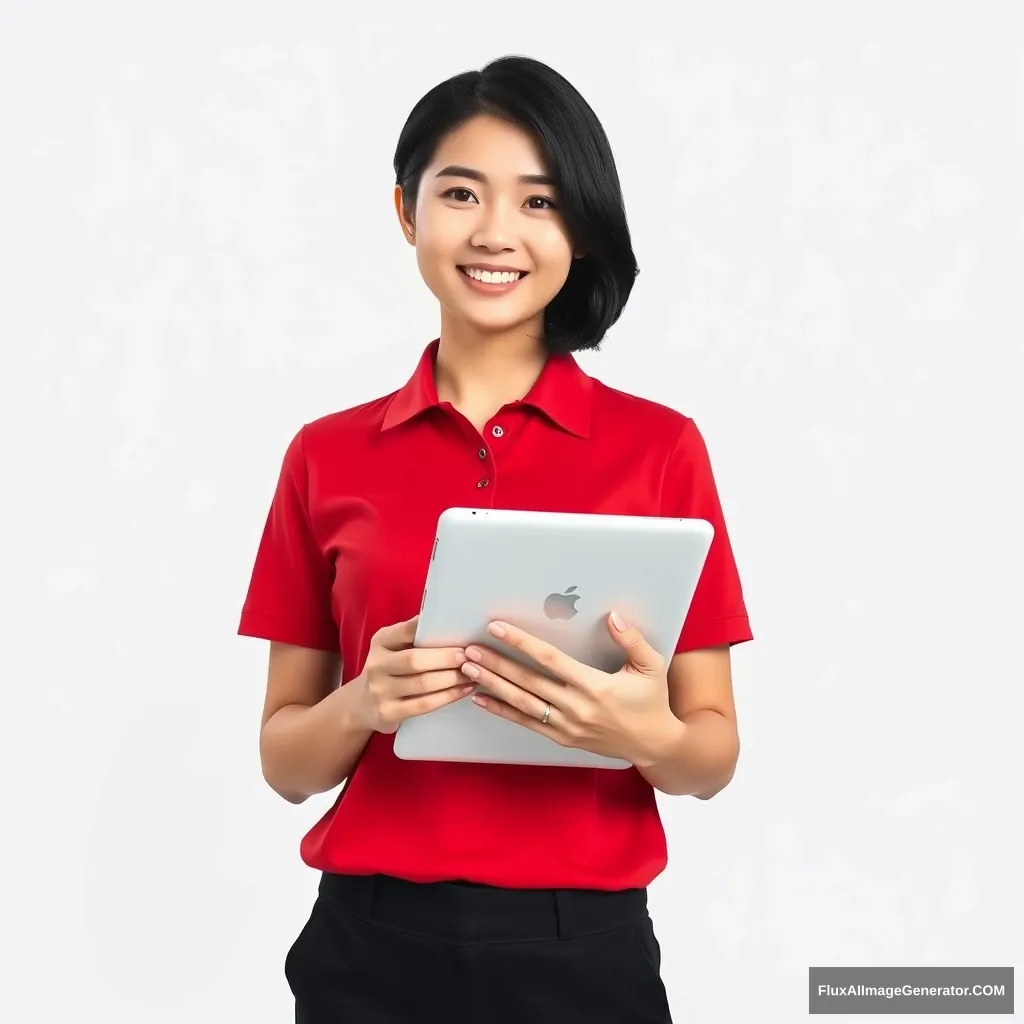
<point x="352" y="706"/>
<point x="660" y="742"/>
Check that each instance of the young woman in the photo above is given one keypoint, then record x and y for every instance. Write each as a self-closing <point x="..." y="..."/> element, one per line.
<point x="488" y="893"/>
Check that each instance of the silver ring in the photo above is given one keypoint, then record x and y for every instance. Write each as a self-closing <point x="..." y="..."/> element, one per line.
<point x="547" y="715"/>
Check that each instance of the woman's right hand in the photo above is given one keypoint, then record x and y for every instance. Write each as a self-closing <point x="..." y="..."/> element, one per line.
<point x="400" y="681"/>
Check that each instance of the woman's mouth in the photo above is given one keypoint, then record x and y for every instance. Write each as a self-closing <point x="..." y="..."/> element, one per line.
<point x="491" y="282"/>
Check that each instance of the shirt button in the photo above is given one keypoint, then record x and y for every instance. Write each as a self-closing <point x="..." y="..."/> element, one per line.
<point x="482" y="453"/>
<point x="482" y="483"/>
<point x="497" y="431"/>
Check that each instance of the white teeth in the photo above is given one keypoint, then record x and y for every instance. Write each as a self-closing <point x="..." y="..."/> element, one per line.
<point x="488" y="277"/>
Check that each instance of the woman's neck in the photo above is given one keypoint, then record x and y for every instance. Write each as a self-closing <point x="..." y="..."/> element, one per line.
<point x="478" y="373"/>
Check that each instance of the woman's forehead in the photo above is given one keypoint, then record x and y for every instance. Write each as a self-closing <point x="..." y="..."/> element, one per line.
<point x="494" y="148"/>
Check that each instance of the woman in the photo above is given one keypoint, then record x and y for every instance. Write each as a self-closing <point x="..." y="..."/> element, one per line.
<point x="487" y="893"/>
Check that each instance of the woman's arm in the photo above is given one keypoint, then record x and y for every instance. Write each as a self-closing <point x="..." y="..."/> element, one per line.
<point x="699" y="757"/>
<point x="310" y="739"/>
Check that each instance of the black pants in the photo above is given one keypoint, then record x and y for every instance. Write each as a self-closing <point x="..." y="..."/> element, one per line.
<point x="378" y="950"/>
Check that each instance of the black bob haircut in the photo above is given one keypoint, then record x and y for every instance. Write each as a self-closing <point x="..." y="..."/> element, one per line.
<point x="535" y="98"/>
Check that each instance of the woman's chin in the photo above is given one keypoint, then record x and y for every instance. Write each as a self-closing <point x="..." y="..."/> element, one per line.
<point x="493" y="320"/>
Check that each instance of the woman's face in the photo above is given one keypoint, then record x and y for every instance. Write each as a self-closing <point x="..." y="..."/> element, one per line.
<point x="490" y="242"/>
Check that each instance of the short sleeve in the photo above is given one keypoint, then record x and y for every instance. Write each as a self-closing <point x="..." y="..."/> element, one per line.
<point x="718" y="614"/>
<point x="289" y="596"/>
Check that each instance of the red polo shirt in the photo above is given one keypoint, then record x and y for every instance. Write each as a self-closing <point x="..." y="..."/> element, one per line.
<point x="345" y="551"/>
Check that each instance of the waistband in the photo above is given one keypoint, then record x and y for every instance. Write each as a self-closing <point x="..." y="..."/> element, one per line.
<point x="470" y="913"/>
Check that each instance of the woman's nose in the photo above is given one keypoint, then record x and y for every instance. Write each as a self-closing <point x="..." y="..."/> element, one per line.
<point x="493" y="230"/>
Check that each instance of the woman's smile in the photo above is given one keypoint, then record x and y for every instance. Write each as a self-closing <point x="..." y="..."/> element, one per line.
<point x="489" y="279"/>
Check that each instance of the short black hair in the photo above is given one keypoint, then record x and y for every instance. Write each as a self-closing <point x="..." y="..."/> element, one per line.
<point x="532" y="96"/>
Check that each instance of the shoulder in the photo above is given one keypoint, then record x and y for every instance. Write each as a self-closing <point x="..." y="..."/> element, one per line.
<point x="640" y="418"/>
<point x="664" y="437"/>
<point x="346" y="429"/>
<point x="315" y="446"/>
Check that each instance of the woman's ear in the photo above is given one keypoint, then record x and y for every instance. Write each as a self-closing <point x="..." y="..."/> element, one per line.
<point x="407" y="225"/>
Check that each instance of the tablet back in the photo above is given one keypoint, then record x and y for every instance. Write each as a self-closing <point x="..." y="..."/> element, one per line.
<point x="556" y="575"/>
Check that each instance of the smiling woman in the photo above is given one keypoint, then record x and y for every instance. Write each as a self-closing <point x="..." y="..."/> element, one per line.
<point x="488" y="892"/>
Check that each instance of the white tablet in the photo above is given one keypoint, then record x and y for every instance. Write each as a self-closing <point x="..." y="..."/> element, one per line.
<point x="556" y="575"/>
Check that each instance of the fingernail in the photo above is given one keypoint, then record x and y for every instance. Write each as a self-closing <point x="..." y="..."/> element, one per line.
<point x="478" y="700"/>
<point x="496" y="629"/>
<point x="470" y="670"/>
<point x="617" y="622"/>
<point x="474" y="653"/>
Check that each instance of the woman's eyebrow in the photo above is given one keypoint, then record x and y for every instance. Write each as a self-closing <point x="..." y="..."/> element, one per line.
<point x="455" y="171"/>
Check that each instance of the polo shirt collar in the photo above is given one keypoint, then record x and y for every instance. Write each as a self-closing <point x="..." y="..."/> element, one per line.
<point x="562" y="392"/>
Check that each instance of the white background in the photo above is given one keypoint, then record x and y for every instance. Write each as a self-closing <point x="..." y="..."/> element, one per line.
<point x="199" y="254"/>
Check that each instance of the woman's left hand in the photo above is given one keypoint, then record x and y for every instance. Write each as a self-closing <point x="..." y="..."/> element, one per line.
<point x="625" y="714"/>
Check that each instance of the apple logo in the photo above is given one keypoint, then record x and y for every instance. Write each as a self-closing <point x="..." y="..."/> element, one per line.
<point x="561" y="606"/>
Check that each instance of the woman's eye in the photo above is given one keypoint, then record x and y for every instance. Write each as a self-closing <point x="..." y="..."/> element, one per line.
<point x="537" y="203"/>
<point x="460" y="195"/>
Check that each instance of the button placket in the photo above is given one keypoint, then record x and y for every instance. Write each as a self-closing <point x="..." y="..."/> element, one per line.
<point x="496" y="431"/>
<point x="482" y="455"/>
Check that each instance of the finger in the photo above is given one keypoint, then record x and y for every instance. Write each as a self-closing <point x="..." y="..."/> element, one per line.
<point x="413" y="707"/>
<point x="494" y="706"/>
<point x="495" y="666"/>
<point x="639" y="653"/>
<point x="547" y="656"/>
<point x="399" y="636"/>
<point x="406" y="687"/>
<point x="509" y="692"/>
<point x="415" y="660"/>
